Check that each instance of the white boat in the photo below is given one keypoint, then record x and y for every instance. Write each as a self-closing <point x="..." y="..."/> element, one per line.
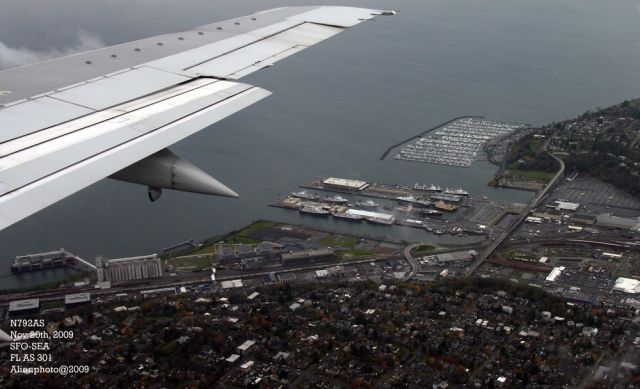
<point x="303" y="194"/>
<point x="346" y="216"/>
<point x="314" y="211"/>
<point x="369" y="204"/>
<point x="337" y="199"/>
<point x="458" y="192"/>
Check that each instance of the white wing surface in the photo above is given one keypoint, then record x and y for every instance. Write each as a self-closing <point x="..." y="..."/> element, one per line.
<point x="69" y="122"/>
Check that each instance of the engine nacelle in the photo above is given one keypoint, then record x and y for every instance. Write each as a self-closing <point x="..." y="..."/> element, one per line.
<point x="165" y="170"/>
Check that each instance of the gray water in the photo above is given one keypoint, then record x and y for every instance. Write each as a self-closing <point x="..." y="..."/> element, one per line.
<point x="334" y="108"/>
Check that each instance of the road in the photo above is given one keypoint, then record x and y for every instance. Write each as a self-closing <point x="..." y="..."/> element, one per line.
<point x="414" y="264"/>
<point x="180" y="280"/>
<point x="521" y="216"/>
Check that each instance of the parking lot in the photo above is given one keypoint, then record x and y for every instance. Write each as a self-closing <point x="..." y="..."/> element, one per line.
<point x="597" y="197"/>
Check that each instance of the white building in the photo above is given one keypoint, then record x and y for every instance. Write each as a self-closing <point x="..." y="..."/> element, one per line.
<point x="345" y="184"/>
<point x="565" y="205"/>
<point x="554" y="274"/>
<point x="627" y="285"/>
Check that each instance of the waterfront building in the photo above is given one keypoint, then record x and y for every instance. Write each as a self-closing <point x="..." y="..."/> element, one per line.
<point x="128" y="269"/>
<point x="345" y="184"/>
<point x="612" y="221"/>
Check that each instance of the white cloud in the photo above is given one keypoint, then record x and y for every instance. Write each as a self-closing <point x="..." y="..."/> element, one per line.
<point x="18" y="56"/>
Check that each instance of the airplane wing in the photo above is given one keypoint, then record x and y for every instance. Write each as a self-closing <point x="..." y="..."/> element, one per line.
<point x="69" y="122"/>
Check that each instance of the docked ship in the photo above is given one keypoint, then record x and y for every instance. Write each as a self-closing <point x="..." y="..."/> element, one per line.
<point x="369" y="204"/>
<point x="408" y="199"/>
<point x="346" y="216"/>
<point x="414" y="201"/>
<point x="430" y="188"/>
<point x="445" y="206"/>
<point x="303" y="194"/>
<point x="378" y="220"/>
<point x="311" y="210"/>
<point x="337" y="199"/>
<point x="457" y="192"/>
<point x="430" y="212"/>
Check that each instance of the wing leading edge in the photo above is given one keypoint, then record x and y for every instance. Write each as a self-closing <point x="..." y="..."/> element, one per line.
<point x="125" y="104"/>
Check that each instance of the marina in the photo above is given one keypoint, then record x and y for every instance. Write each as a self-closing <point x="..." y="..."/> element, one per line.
<point x="457" y="143"/>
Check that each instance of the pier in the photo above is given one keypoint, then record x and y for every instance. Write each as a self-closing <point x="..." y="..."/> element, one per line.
<point x="188" y="244"/>
<point x="49" y="260"/>
<point x="416" y="197"/>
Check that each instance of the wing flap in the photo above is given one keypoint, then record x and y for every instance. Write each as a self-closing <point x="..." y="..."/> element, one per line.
<point x="34" y="115"/>
<point x="265" y="52"/>
<point x="344" y="17"/>
<point x="33" y="163"/>
<point x="43" y="191"/>
<point x="109" y="108"/>
<point x="112" y="90"/>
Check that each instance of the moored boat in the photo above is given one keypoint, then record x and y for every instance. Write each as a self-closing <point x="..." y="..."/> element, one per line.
<point x="311" y="210"/>
<point x="303" y="194"/>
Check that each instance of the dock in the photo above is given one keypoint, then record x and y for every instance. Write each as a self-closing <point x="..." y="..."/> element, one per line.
<point x="422" y="206"/>
<point x="49" y="260"/>
<point x="188" y="244"/>
<point x="416" y="196"/>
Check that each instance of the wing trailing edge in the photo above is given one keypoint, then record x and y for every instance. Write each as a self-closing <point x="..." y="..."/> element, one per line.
<point x="115" y="110"/>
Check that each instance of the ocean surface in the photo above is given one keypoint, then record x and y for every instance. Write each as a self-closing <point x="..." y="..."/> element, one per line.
<point x="335" y="107"/>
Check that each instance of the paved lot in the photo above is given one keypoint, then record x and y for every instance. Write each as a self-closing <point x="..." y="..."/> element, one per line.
<point x="597" y="197"/>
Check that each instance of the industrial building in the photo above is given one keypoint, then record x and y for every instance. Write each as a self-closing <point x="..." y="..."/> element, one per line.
<point x="128" y="269"/>
<point x="612" y="221"/>
<point x="627" y="285"/>
<point x="42" y="260"/>
<point x="372" y="216"/>
<point x="458" y="256"/>
<point x="560" y="205"/>
<point x="231" y="284"/>
<point x="247" y="254"/>
<point x="583" y="218"/>
<point x="555" y="273"/>
<point x="74" y="300"/>
<point x="244" y="347"/>
<point x="345" y="184"/>
<point x="24" y="307"/>
<point x="287" y="278"/>
<point x="156" y="292"/>
<point x="533" y="219"/>
<point x="549" y="214"/>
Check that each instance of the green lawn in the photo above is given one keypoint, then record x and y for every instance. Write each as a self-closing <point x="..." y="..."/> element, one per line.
<point x="203" y="250"/>
<point x="255" y="226"/>
<point x="340" y="240"/>
<point x="358" y="252"/>
<point x="425" y="248"/>
<point x="533" y="174"/>
<point x="190" y="263"/>
<point x="239" y="239"/>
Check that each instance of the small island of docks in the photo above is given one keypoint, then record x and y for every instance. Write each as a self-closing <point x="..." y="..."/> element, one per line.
<point x="421" y="206"/>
